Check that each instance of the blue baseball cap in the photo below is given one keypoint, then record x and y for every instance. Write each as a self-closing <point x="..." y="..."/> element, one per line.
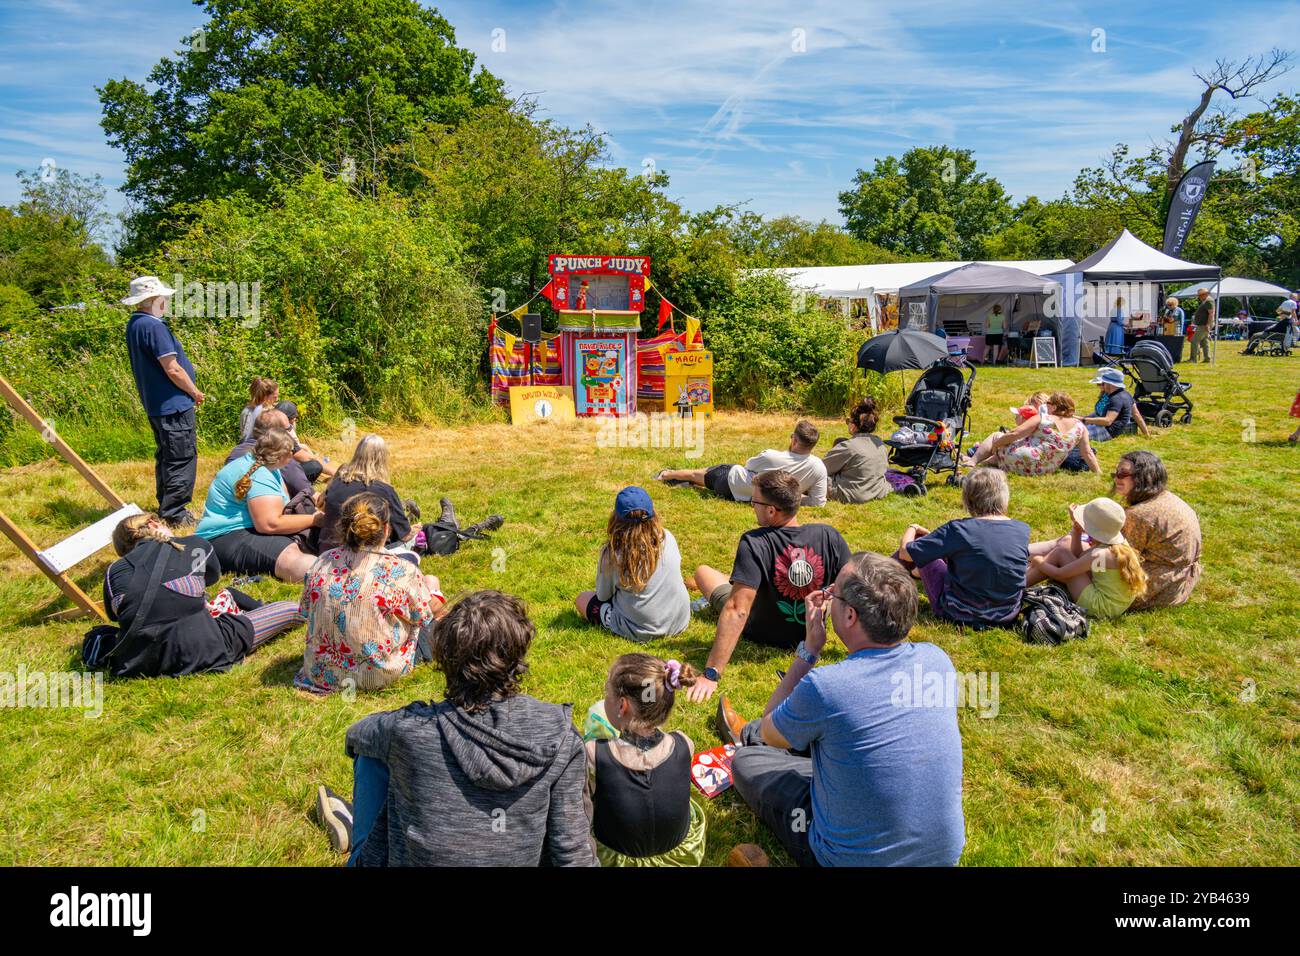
<point x="1109" y="376"/>
<point x="633" y="498"/>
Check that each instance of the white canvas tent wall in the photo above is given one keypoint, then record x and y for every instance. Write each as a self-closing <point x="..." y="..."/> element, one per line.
<point x="1124" y="266"/>
<point x="969" y="292"/>
<point x="888" y="277"/>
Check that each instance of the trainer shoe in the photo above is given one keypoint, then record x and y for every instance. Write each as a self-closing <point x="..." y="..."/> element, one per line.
<point x="335" y="815"/>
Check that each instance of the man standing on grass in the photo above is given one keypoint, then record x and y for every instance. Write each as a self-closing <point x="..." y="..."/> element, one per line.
<point x="876" y="779"/>
<point x="164" y="378"/>
<point x="1203" y="319"/>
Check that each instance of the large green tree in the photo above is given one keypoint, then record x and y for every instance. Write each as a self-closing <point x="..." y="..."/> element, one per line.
<point x="269" y="88"/>
<point x="931" y="203"/>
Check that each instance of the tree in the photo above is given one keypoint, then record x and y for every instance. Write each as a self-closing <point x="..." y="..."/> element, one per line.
<point x="931" y="203"/>
<point x="268" y="89"/>
<point x="791" y="241"/>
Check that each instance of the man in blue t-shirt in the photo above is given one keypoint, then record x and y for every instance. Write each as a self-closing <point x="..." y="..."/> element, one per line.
<point x="164" y="378"/>
<point x="879" y="782"/>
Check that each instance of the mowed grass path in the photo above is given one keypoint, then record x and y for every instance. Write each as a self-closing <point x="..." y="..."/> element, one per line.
<point x="1165" y="738"/>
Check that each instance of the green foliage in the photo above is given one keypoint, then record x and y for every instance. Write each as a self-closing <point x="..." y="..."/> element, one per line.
<point x="791" y="241"/>
<point x="931" y="203"/>
<point x="267" y="89"/>
<point x="771" y="350"/>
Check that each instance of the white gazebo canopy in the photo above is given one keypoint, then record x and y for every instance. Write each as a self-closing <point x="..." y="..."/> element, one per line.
<point x="1236" y="288"/>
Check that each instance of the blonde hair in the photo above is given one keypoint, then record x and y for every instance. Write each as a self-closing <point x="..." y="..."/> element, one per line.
<point x="1130" y="567"/>
<point x="633" y="547"/>
<point x="133" y="529"/>
<point x="362" y="521"/>
<point x="268" y="452"/>
<point x="369" y="462"/>
<point x="261" y="390"/>
<point x="1036" y="399"/>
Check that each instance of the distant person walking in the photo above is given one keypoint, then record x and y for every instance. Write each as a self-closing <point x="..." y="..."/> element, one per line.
<point x="1202" y="320"/>
<point x="164" y="379"/>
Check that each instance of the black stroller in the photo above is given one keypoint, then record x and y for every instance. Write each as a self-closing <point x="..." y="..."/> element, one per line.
<point x="1157" y="390"/>
<point x="941" y="396"/>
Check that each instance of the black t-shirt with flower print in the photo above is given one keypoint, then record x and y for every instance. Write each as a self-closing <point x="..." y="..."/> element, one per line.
<point x="784" y="565"/>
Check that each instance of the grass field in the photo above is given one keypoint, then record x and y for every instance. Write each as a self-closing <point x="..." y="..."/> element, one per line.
<point x="1165" y="738"/>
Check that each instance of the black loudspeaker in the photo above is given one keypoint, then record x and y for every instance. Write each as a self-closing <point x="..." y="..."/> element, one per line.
<point x="532" y="327"/>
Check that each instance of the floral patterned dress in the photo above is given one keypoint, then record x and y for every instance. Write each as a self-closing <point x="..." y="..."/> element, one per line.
<point x="1041" y="452"/>
<point x="364" y="612"/>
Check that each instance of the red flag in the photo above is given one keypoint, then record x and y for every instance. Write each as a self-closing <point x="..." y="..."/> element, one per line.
<point x="547" y="291"/>
<point x="665" y="312"/>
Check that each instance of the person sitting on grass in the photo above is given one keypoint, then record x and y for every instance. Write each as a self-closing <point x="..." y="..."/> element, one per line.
<point x="855" y="466"/>
<point x="244" y="516"/>
<point x="1040" y="444"/>
<point x="644" y="812"/>
<point x="973" y="569"/>
<point x="367" y="610"/>
<point x="263" y="393"/>
<point x="313" y="464"/>
<point x="487" y="777"/>
<point x="736" y="482"/>
<point x="176" y="630"/>
<point x="1105" y="576"/>
<point x="639" y="590"/>
<point x="1162" y="528"/>
<point x="294" y="472"/>
<point x="882" y="785"/>
<point x="777" y="565"/>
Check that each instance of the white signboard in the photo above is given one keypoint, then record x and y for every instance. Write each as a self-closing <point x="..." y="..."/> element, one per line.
<point x="1044" y="350"/>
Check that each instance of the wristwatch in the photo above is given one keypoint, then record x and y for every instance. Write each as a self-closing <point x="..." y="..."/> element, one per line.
<point x="805" y="655"/>
<point x="711" y="673"/>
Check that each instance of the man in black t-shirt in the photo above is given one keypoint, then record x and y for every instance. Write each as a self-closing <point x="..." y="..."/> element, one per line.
<point x="777" y="566"/>
<point x="1116" y="411"/>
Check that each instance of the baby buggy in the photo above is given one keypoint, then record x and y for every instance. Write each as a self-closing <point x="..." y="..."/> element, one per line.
<point x="936" y="419"/>
<point x="1157" y="390"/>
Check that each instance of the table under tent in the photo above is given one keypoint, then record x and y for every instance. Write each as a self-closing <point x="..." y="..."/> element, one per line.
<point x="1126" y="266"/>
<point x="960" y="301"/>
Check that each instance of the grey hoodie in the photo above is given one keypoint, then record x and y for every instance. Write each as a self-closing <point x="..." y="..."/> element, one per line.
<point x="502" y="787"/>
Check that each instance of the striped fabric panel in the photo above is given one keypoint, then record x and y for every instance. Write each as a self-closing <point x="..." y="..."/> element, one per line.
<point x="191" y="585"/>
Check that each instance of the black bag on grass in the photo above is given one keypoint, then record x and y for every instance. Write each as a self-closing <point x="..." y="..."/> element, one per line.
<point x="1049" y="616"/>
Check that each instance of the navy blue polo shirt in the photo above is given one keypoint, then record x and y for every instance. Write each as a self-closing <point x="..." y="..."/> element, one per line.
<point x="148" y="342"/>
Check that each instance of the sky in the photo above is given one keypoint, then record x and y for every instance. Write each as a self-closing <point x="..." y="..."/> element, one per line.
<point x="773" y="105"/>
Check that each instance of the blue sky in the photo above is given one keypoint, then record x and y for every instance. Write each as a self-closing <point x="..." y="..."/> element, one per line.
<point x="773" y="104"/>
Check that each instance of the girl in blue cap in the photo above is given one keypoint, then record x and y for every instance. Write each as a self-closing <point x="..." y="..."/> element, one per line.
<point x="639" y="592"/>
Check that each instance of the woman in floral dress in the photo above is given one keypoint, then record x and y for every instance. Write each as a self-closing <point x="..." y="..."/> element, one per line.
<point x="367" y="609"/>
<point x="1039" y="444"/>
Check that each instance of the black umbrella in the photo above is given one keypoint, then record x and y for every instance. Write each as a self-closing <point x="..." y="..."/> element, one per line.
<point x="905" y="348"/>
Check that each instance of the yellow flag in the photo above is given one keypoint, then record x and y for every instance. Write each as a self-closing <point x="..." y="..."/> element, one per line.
<point x="507" y="340"/>
<point x="692" y="332"/>
<point x="648" y="284"/>
<point x="519" y="312"/>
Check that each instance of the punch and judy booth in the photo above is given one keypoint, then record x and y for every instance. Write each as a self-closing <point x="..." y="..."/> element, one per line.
<point x="599" y="301"/>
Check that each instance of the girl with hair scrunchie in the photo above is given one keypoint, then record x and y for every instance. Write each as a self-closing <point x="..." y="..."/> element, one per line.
<point x="645" y="811"/>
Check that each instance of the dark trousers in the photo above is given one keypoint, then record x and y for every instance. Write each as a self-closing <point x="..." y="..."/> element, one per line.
<point x="176" y="461"/>
<point x="777" y="785"/>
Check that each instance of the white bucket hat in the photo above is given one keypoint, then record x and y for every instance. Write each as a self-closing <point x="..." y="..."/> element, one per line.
<point x="146" y="287"/>
<point x="1103" y="520"/>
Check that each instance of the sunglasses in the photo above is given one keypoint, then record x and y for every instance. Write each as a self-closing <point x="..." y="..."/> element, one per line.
<point x="765" y="504"/>
<point x="1122" y="474"/>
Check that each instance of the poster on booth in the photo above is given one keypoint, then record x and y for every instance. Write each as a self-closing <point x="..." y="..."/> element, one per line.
<point x="541" y="403"/>
<point x="688" y="383"/>
<point x="601" y="387"/>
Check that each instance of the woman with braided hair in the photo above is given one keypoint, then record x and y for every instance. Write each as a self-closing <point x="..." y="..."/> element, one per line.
<point x="244" y="517"/>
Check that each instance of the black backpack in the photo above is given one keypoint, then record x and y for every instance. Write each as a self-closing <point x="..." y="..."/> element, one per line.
<point x="103" y="640"/>
<point x="1049" y="616"/>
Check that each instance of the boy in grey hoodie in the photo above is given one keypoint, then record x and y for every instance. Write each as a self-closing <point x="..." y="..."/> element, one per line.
<point x="487" y="777"/>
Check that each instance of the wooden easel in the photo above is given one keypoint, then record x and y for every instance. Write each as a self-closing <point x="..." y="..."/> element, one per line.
<point x="55" y="561"/>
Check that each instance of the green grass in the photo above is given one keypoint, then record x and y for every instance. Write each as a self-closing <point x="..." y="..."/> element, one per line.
<point x="1144" y="727"/>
